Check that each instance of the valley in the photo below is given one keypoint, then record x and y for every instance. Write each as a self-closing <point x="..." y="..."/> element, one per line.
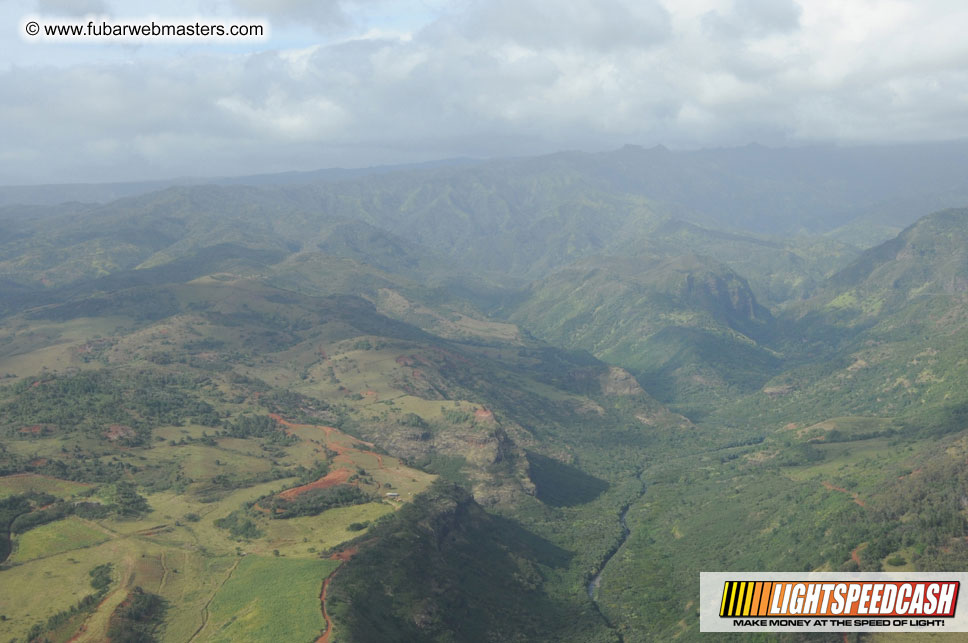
<point x="516" y="400"/>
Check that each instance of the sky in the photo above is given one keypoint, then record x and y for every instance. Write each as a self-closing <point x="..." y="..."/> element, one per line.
<point x="374" y="82"/>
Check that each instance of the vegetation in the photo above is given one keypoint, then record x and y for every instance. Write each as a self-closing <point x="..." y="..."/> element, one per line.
<point x="100" y="581"/>
<point x="215" y="390"/>
<point x="239" y="526"/>
<point x="315" y="501"/>
<point x="270" y="599"/>
<point x="138" y="618"/>
<point x="453" y="572"/>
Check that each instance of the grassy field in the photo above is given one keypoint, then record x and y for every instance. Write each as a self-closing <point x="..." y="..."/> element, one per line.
<point x="269" y="599"/>
<point x="62" y="580"/>
<point x="55" y="538"/>
<point x="53" y="346"/>
<point x="200" y="462"/>
<point x="296" y="536"/>
<point x="24" y="482"/>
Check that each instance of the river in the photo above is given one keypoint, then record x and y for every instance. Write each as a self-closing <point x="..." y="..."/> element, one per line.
<point x="597" y="578"/>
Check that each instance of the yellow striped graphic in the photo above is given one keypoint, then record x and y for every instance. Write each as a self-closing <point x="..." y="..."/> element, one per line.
<point x="745" y="598"/>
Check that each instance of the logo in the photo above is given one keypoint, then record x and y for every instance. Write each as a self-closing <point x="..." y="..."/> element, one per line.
<point x="831" y="602"/>
<point x="849" y="598"/>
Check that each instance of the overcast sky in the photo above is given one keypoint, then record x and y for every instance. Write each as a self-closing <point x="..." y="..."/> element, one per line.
<point x="374" y="82"/>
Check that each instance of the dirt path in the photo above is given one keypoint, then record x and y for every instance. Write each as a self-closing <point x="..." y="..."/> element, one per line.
<point x="95" y="626"/>
<point x="331" y="479"/>
<point x="328" y="430"/>
<point x="164" y="572"/>
<point x="212" y="597"/>
<point x="341" y="556"/>
<point x="322" y="599"/>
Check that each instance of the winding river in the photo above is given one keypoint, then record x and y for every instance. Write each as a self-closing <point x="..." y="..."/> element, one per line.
<point x="597" y="578"/>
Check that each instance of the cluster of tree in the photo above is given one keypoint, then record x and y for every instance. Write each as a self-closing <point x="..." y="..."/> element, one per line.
<point x="82" y="468"/>
<point x="924" y="511"/>
<point x="315" y="501"/>
<point x="10" y="509"/>
<point x="258" y="426"/>
<point x="320" y="469"/>
<point x="138" y="618"/>
<point x="239" y="526"/>
<point x="93" y="400"/>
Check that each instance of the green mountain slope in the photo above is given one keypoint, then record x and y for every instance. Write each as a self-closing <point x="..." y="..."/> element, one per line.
<point x="850" y="458"/>
<point x="688" y="326"/>
<point x="443" y="569"/>
<point x="886" y="335"/>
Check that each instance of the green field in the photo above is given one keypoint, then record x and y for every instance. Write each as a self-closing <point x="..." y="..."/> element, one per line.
<point x="269" y="599"/>
<point x="62" y="580"/>
<point x="24" y="482"/>
<point x="55" y="538"/>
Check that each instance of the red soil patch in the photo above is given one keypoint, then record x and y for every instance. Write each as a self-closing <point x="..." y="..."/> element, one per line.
<point x="36" y="429"/>
<point x="328" y="430"/>
<point x="331" y="479"/>
<point x="39" y="462"/>
<point x="484" y="415"/>
<point x="370" y="394"/>
<point x="118" y="431"/>
<point x="345" y="555"/>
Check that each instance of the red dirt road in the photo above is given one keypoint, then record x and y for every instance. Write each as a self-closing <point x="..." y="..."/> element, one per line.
<point x="342" y="556"/>
<point x="331" y="479"/>
<point x="329" y="624"/>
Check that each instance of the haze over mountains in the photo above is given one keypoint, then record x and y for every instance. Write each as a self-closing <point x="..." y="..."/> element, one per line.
<point x="752" y="358"/>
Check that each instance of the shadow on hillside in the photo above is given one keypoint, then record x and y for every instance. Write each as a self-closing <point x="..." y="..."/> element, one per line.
<point x="562" y="485"/>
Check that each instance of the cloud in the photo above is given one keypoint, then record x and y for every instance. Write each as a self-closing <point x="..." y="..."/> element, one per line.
<point x="72" y="7"/>
<point x="599" y="25"/>
<point x="753" y="18"/>
<point x="317" y="13"/>
<point x="490" y="79"/>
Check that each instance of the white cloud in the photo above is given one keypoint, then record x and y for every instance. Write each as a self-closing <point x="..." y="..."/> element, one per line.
<point x="71" y="7"/>
<point x="489" y="78"/>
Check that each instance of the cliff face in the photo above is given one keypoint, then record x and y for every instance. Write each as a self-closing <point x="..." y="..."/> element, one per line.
<point x="444" y="569"/>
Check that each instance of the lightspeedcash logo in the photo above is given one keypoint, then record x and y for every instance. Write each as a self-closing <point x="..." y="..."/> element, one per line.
<point x="866" y="602"/>
<point x="850" y="598"/>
